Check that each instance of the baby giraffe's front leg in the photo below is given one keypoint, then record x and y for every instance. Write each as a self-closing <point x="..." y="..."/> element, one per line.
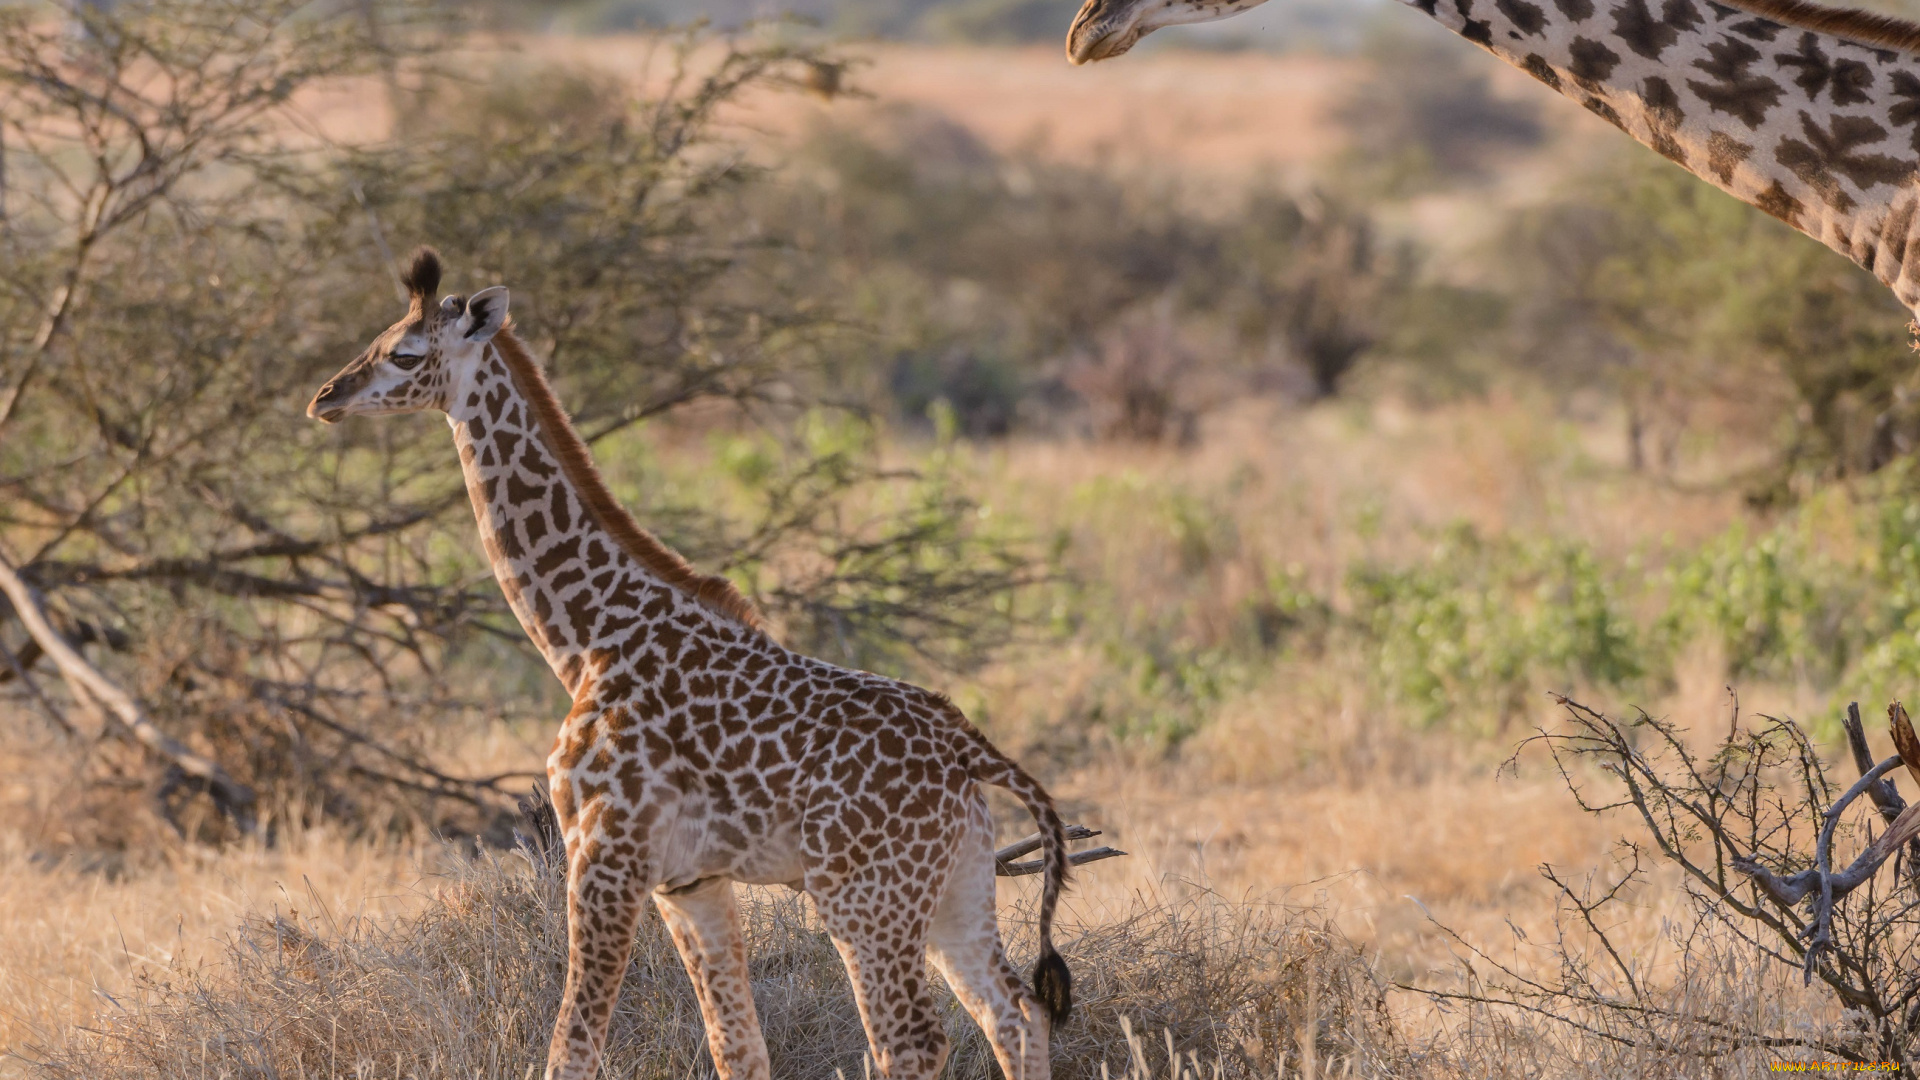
<point x="608" y="877"/>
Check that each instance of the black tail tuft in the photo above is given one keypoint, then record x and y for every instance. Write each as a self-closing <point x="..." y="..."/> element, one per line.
<point x="1053" y="985"/>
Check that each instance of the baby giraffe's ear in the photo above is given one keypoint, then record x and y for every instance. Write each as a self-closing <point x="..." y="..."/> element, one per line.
<point x="486" y="313"/>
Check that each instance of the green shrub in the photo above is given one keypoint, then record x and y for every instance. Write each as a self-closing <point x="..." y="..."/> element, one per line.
<point x="1482" y="624"/>
<point x="1775" y="604"/>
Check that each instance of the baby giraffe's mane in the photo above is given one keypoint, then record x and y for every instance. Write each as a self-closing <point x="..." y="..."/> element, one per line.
<point x="557" y="431"/>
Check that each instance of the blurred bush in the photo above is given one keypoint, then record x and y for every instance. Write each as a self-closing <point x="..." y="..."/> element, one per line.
<point x="1463" y="629"/>
<point x="1827" y="597"/>
<point x="1030" y="293"/>
<point x="1702" y="315"/>
<point x="1479" y="626"/>
<point x="1315" y="283"/>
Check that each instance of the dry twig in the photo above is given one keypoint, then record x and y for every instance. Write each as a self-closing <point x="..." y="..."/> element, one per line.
<point x="1004" y="866"/>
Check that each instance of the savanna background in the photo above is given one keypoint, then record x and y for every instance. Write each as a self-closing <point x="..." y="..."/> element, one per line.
<point x="1251" y="434"/>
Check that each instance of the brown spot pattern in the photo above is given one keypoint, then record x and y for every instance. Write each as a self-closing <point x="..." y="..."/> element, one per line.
<point x="1808" y="113"/>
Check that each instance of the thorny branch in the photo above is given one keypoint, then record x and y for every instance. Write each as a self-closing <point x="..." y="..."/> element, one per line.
<point x="1761" y="799"/>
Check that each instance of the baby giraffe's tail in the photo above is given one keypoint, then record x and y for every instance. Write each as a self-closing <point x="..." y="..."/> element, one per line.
<point x="1052" y="982"/>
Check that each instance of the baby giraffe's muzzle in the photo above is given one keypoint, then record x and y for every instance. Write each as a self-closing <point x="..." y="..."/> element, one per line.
<point x="330" y="404"/>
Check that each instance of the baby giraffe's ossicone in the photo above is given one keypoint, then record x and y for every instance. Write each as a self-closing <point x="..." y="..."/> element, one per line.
<point x="699" y="752"/>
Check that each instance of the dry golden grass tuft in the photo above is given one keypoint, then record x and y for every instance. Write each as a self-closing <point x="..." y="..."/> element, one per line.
<point x="466" y="986"/>
<point x="78" y="936"/>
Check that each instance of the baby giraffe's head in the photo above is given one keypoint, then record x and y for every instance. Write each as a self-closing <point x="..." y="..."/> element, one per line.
<point x="418" y="361"/>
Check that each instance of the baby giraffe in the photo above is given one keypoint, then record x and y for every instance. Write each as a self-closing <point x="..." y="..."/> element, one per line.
<point x="699" y="752"/>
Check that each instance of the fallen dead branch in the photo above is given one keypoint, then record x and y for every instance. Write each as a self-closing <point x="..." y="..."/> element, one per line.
<point x="234" y="799"/>
<point x="1004" y="866"/>
<point x="1820" y="882"/>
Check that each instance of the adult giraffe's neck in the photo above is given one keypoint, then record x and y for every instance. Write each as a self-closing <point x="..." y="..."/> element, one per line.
<point x="577" y="571"/>
<point x="1809" y="114"/>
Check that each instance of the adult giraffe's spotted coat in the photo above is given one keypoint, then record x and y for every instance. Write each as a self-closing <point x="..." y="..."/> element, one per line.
<point x="699" y="752"/>
<point x="1809" y="113"/>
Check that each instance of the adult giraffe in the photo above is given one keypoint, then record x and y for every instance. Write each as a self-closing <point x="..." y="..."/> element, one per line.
<point x="1809" y="113"/>
<point x="700" y="753"/>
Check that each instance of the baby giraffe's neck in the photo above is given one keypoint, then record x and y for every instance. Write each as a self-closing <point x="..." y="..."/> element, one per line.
<point x="542" y="543"/>
<point x="585" y="581"/>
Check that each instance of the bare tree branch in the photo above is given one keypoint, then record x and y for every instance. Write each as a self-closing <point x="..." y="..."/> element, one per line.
<point x="234" y="798"/>
<point x="1761" y="801"/>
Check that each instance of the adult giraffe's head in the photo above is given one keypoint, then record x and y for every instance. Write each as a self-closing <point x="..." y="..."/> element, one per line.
<point x="1106" y="28"/>
<point x="415" y="364"/>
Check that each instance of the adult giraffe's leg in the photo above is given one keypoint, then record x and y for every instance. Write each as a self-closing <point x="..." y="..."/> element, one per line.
<point x="880" y="927"/>
<point x="965" y="944"/>
<point x="705" y="923"/>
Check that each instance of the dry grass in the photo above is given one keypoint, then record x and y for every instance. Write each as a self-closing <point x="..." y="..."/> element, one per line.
<point x="76" y="938"/>
<point x="467" y="986"/>
<point x="1720" y="983"/>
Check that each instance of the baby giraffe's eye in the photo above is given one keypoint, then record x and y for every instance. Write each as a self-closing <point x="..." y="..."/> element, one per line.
<point x="406" y="362"/>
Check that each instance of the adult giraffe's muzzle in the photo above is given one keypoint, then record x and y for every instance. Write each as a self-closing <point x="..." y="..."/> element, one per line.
<point x="1102" y="29"/>
<point x="1106" y="28"/>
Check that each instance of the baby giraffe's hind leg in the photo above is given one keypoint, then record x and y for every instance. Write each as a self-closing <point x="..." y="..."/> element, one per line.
<point x="965" y="946"/>
<point x="705" y="923"/>
<point x="882" y="938"/>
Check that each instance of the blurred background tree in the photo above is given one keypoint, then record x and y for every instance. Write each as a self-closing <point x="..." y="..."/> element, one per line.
<point x="1698" y="313"/>
<point x="1427" y="114"/>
